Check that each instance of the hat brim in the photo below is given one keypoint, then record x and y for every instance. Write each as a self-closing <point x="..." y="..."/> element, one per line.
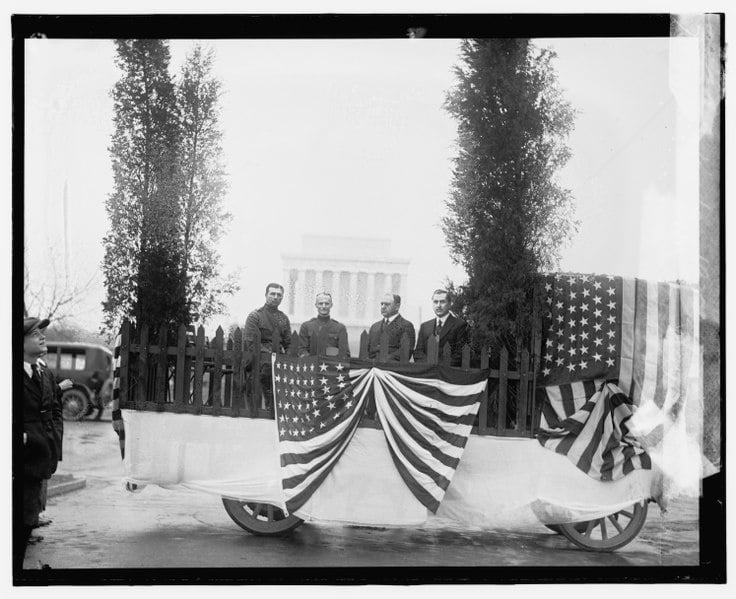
<point x="31" y="324"/>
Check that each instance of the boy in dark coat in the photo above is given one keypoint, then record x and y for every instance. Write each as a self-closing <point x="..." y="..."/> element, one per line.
<point x="42" y="423"/>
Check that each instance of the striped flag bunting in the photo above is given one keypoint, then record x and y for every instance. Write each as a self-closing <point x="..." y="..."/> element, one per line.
<point x="117" y="418"/>
<point x="593" y="431"/>
<point x="427" y="420"/>
<point x="611" y="347"/>
<point x="426" y="413"/>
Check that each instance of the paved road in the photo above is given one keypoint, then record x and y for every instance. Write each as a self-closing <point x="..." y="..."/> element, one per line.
<point x="104" y="526"/>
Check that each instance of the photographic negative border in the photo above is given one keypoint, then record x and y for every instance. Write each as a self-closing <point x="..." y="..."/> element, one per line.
<point x="386" y="26"/>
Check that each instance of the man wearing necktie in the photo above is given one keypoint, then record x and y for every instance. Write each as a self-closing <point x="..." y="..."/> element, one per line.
<point x="42" y="426"/>
<point x="394" y="325"/>
<point x="448" y="329"/>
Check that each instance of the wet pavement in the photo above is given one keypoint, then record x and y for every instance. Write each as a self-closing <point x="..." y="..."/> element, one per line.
<point x="101" y="525"/>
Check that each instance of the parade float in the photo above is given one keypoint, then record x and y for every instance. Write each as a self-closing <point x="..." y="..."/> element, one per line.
<point x="601" y="416"/>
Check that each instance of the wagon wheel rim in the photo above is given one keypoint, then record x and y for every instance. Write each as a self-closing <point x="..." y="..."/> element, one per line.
<point x="609" y="532"/>
<point x="260" y="518"/>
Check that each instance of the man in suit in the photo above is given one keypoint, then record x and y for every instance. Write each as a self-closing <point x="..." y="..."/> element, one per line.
<point x="394" y="325"/>
<point x="447" y="328"/>
<point x="42" y="423"/>
<point x="323" y="335"/>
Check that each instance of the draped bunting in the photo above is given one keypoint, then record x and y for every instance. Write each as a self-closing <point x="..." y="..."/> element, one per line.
<point x="426" y="413"/>
<point x="620" y="364"/>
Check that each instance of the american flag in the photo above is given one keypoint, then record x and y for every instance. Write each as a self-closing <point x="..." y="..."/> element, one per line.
<point x="317" y="413"/>
<point x="426" y="413"/>
<point x="611" y="345"/>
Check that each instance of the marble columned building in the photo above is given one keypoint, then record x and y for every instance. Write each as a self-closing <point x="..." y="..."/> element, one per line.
<point x="355" y="271"/>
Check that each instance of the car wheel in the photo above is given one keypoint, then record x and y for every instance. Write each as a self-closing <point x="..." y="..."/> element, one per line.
<point x="74" y="404"/>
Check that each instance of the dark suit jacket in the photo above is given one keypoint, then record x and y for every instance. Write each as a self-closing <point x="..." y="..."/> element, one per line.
<point x="396" y="328"/>
<point x="454" y="332"/>
<point x="43" y="423"/>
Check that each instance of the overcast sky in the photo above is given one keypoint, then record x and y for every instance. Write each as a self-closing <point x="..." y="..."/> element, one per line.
<point x="350" y="138"/>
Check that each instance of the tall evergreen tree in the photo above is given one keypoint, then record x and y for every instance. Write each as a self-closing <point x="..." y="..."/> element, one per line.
<point x="142" y="253"/>
<point x="160" y="262"/>
<point x="507" y="216"/>
<point x="203" y="186"/>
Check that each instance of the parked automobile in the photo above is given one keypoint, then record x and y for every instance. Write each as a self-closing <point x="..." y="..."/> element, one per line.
<point x="90" y="368"/>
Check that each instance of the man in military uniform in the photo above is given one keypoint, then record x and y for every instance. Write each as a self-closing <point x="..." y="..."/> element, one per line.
<point x="323" y="336"/>
<point x="42" y="423"/>
<point x="275" y="334"/>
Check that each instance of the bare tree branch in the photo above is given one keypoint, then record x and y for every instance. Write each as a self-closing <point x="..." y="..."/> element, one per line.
<point x="53" y="295"/>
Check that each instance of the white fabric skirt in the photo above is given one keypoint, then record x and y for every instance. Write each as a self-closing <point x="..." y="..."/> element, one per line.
<point x="500" y="482"/>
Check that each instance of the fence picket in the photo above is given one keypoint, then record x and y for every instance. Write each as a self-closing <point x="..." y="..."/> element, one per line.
<point x="465" y="364"/>
<point x="483" y="410"/>
<point x="522" y="400"/>
<point x="162" y="374"/>
<point x="216" y="376"/>
<point x="255" y="372"/>
<point x="294" y="345"/>
<point x="142" y="394"/>
<point x="181" y="346"/>
<point x="198" y="401"/>
<point x="503" y="371"/>
<point x="485" y="358"/>
<point x="363" y="352"/>
<point x="124" y="363"/>
<point x="229" y="377"/>
<point x="238" y="402"/>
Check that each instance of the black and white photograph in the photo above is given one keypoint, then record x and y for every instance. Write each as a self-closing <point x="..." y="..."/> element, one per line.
<point x="339" y="298"/>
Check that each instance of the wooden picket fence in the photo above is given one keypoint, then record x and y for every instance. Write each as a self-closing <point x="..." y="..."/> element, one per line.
<point x="219" y="377"/>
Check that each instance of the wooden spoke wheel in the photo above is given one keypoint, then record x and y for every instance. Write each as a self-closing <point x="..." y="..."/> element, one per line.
<point x="260" y="518"/>
<point x="608" y="533"/>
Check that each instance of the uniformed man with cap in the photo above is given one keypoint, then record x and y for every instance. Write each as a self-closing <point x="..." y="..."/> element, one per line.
<point x="273" y="327"/>
<point x="41" y="421"/>
<point x="323" y="335"/>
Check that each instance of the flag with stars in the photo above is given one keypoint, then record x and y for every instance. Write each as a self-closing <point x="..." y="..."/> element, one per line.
<point x="317" y="414"/>
<point x="426" y="413"/>
<point x="609" y="345"/>
<point x="583" y="328"/>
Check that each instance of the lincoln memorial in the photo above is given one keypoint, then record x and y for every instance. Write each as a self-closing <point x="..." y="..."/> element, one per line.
<point x="355" y="271"/>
